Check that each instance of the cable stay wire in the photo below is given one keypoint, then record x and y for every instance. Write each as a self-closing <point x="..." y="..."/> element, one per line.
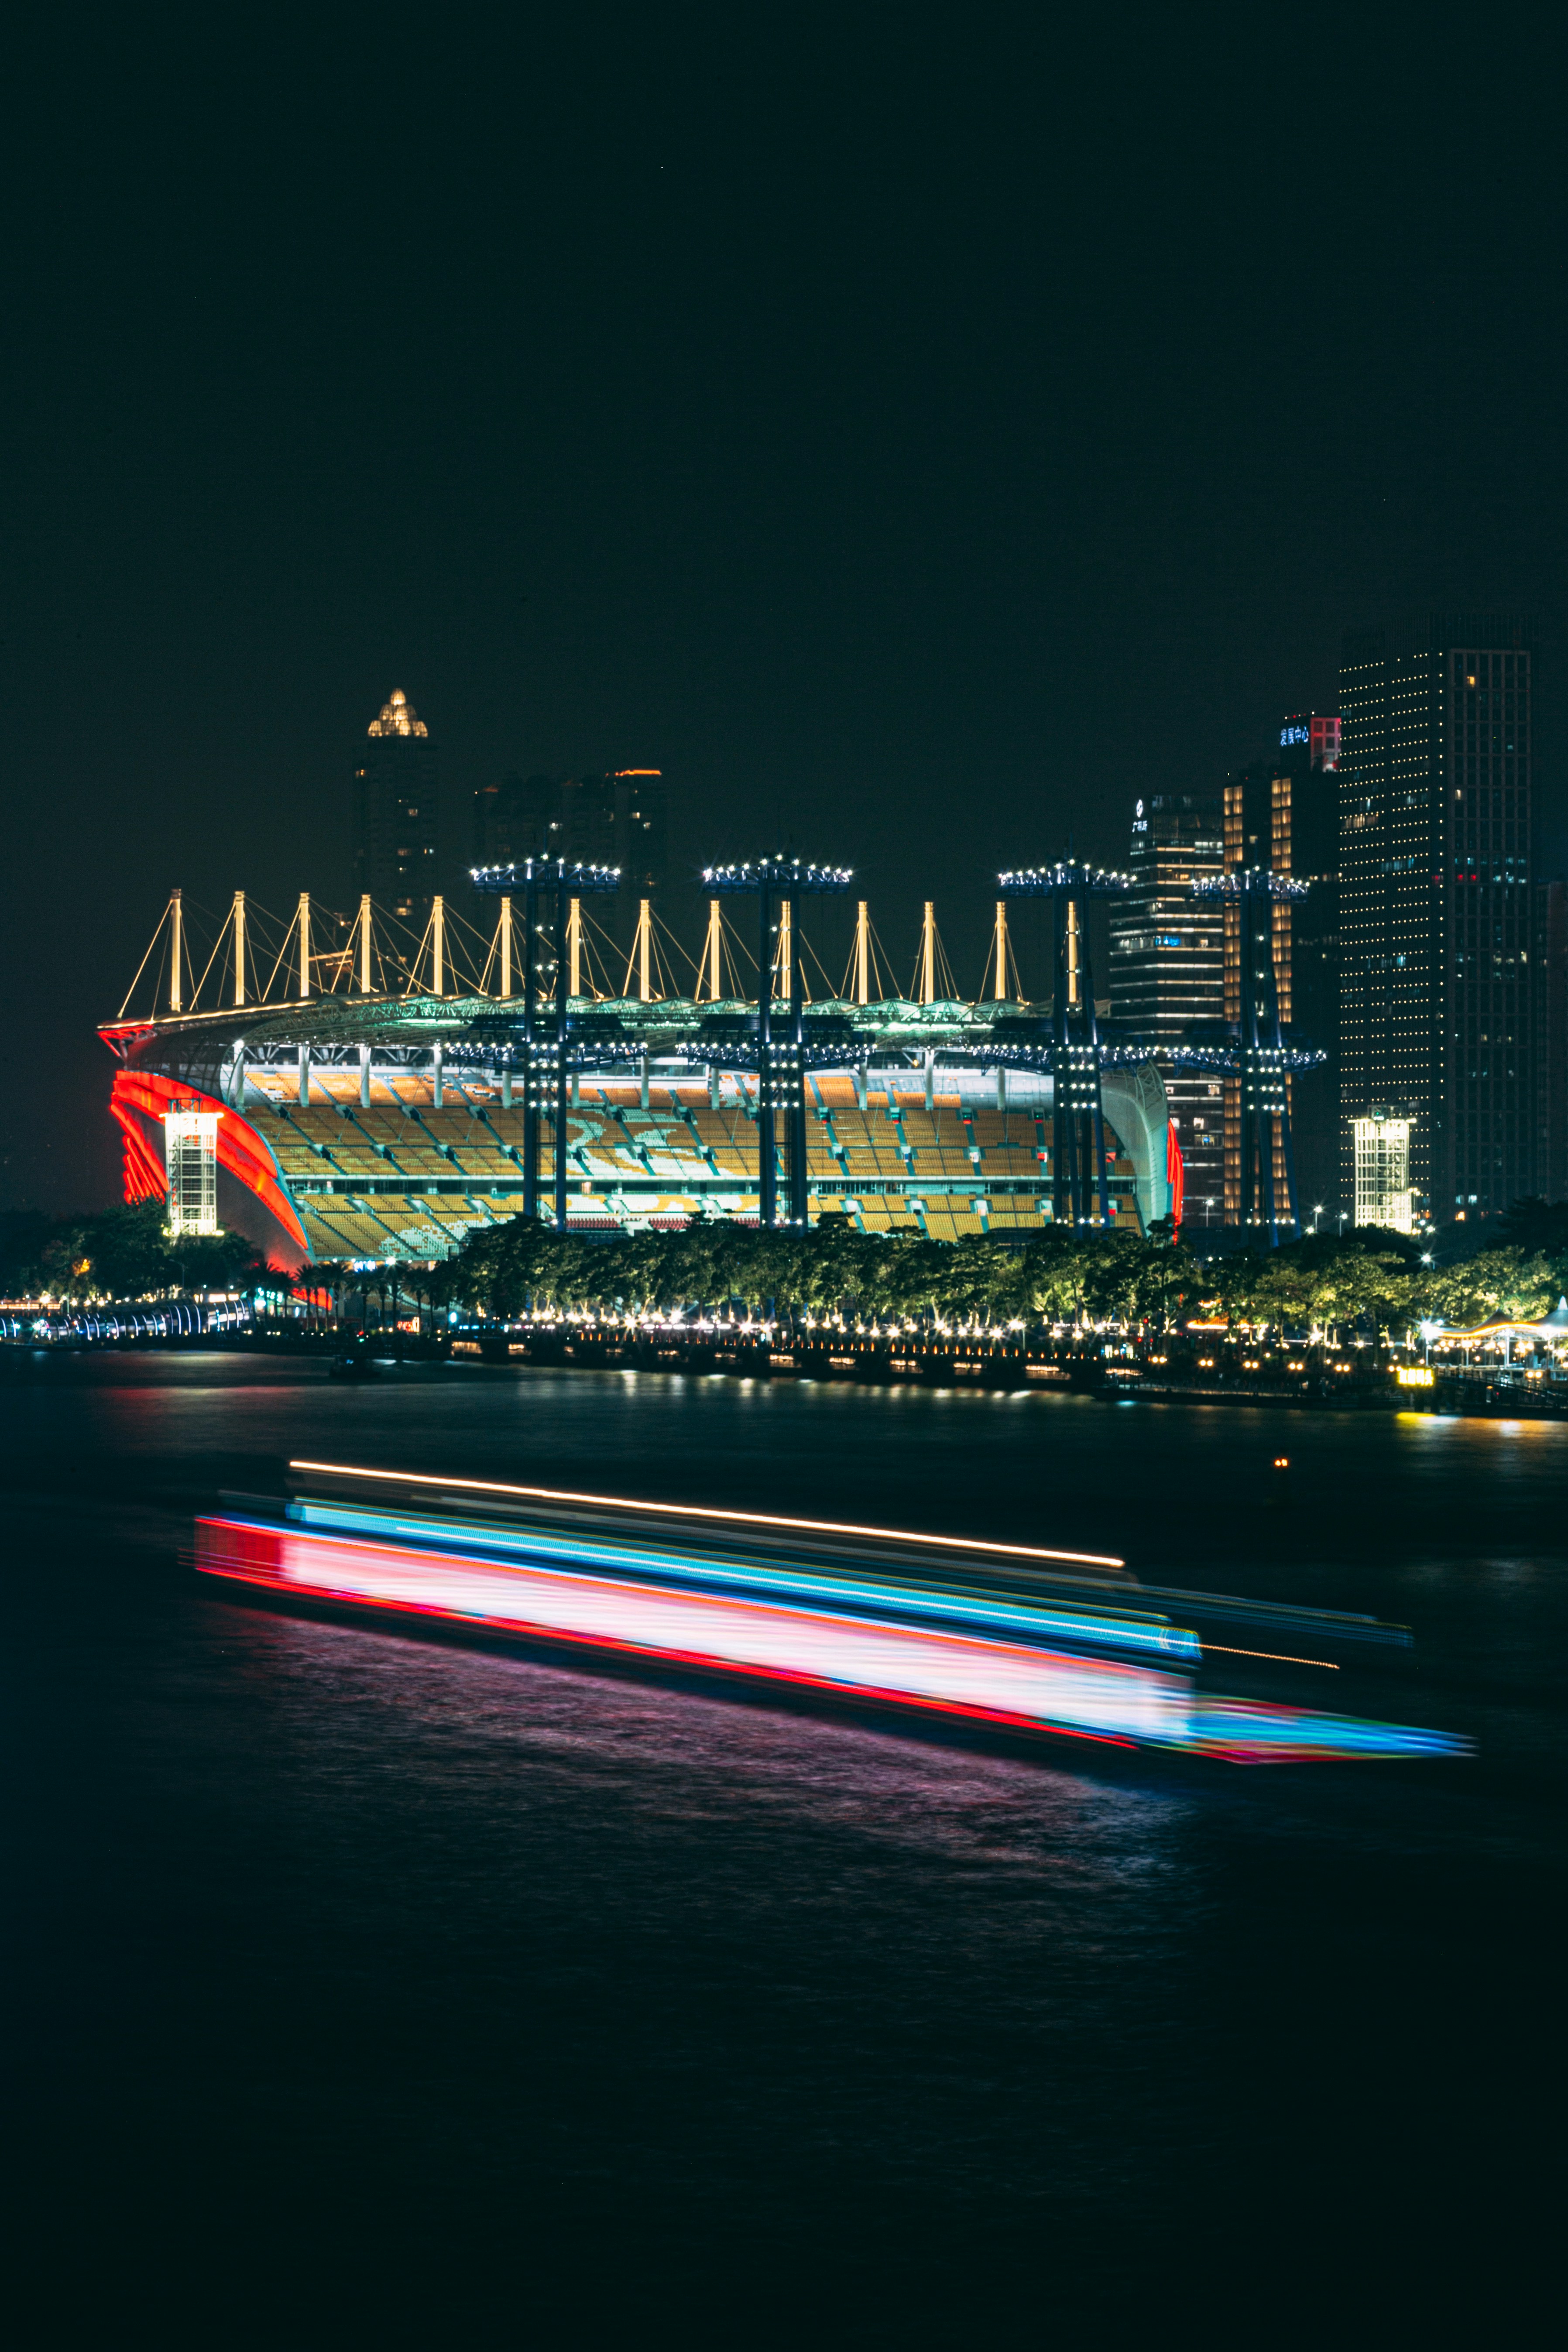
<point x="807" y="949"/>
<point x="678" y="946"/>
<point x="141" y="967"/>
<point x="878" y="968"/>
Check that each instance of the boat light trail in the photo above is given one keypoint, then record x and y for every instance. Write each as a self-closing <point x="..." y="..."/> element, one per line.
<point x="1144" y="1634"/>
<point x="989" y="1680"/>
<point x="1278" y="1657"/>
<point x="706" y="1511"/>
<point x="993" y="1681"/>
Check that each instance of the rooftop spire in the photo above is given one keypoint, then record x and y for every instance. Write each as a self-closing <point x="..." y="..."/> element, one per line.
<point x="398" y="717"/>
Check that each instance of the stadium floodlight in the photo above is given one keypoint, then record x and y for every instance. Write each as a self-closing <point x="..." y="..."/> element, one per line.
<point x="1248" y="881"/>
<point x="578" y="880"/>
<point x="1068" y="875"/>
<point x="783" y="877"/>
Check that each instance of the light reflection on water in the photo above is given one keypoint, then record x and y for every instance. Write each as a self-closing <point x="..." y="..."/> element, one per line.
<point x="399" y="1920"/>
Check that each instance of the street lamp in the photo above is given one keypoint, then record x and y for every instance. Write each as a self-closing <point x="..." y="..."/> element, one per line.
<point x="1317" y="1212"/>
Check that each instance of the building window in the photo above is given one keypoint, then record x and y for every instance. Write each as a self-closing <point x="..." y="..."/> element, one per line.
<point x="1383" y="1172"/>
<point x="190" y="1156"/>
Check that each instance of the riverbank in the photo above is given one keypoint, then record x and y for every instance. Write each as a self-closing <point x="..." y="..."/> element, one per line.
<point x="1214" y="1370"/>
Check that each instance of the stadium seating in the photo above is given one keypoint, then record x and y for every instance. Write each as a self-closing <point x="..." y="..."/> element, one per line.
<point x="892" y="1166"/>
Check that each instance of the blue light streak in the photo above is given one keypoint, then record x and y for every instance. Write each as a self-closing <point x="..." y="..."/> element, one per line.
<point x="1142" y="1636"/>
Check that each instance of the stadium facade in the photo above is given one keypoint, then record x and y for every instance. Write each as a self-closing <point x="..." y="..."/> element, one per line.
<point x="347" y="1123"/>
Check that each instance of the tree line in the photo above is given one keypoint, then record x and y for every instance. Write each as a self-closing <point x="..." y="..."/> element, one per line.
<point x="121" y="1254"/>
<point x="1368" y="1278"/>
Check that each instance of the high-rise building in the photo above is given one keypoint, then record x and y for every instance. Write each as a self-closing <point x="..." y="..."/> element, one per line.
<point x="1549" y="964"/>
<point x="1316" y="735"/>
<point x="395" y="837"/>
<point x="1436" y="998"/>
<point x="611" y="819"/>
<point x="1167" y="973"/>
<point x="520" y="817"/>
<point x="1281" y="813"/>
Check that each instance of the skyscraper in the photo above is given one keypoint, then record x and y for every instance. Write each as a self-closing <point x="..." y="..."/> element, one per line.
<point x="395" y="813"/>
<point x="1437" y="1098"/>
<point x="520" y="817"/>
<point x="1548" y="966"/>
<point x="1167" y="972"/>
<point x="611" y="819"/>
<point x="1281" y="813"/>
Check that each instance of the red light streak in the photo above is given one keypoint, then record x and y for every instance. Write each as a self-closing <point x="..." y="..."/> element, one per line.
<point x="1013" y="1684"/>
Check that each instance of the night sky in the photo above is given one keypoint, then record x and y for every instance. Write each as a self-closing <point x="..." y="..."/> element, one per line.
<point x="917" y="433"/>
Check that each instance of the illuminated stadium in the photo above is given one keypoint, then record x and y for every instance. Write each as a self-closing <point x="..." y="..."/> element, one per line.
<point x="369" y="1102"/>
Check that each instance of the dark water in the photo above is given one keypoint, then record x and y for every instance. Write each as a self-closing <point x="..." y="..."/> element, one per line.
<point x="356" y="1985"/>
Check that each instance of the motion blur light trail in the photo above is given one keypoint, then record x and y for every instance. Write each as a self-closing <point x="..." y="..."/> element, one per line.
<point x="783" y="1631"/>
<point x="997" y="1681"/>
<point x="708" y="1511"/>
<point x="1114" y="1630"/>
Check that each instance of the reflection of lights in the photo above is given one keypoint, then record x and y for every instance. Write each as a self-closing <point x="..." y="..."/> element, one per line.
<point x="704" y="1511"/>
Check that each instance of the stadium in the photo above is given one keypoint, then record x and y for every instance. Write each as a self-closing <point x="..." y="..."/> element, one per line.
<point x="374" y="1103"/>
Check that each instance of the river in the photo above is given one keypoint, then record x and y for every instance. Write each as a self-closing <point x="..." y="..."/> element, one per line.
<point x="357" y="1983"/>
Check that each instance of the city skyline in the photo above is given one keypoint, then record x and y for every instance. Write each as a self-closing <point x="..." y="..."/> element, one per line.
<point x="1175" y="961"/>
<point x="690" y="466"/>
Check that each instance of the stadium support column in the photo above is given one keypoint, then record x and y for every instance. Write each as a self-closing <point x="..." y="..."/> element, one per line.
<point x="1064" y="1130"/>
<point x="543" y="1065"/>
<point x="799" y="1195"/>
<point x="530" y="1075"/>
<point x="1078" y="1189"/>
<point x="767" y="1154"/>
<point x="1081" y="1192"/>
<point x="562" y="893"/>
<point x="784" y="879"/>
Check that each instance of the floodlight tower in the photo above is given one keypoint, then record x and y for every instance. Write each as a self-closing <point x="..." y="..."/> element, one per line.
<point x="781" y="1068"/>
<point x="544" y="1058"/>
<point x="1260" y="1059"/>
<point x="1079" y="1192"/>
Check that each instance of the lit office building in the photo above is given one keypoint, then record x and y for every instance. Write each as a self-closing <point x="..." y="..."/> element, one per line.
<point x="611" y="819"/>
<point x="1437" y="1004"/>
<point x="1281" y="813"/>
<point x="395" y="813"/>
<point x="1166" y="973"/>
<point x="1548" y="966"/>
